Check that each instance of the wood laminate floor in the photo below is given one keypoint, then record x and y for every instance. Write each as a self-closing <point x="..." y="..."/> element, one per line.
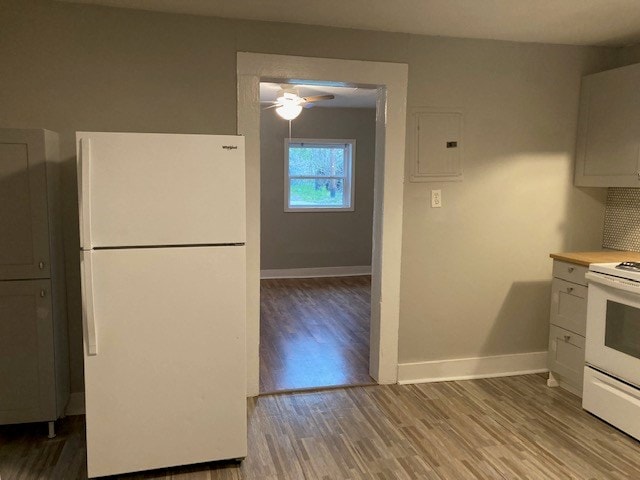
<point x="314" y="332"/>
<point x="500" y="428"/>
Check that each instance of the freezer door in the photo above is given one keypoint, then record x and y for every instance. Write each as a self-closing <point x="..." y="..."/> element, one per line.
<point x="165" y="384"/>
<point x="140" y="189"/>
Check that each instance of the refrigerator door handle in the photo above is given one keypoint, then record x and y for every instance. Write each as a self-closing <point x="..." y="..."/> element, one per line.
<point x="88" y="313"/>
<point x="85" y="188"/>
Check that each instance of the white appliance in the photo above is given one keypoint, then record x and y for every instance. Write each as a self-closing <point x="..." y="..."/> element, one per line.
<point x="612" y="372"/>
<point x="162" y="232"/>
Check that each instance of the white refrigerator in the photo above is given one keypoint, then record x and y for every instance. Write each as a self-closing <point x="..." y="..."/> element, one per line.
<point x="162" y="232"/>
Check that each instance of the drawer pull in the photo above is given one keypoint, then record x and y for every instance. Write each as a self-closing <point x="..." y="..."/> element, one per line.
<point x="571" y="269"/>
<point x="569" y="289"/>
<point x="41" y="265"/>
<point x="43" y="293"/>
<point x="567" y="338"/>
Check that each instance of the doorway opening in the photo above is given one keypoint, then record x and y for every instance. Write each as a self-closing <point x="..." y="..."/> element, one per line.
<point x="390" y="82"/>
<point x="317" y="197"/>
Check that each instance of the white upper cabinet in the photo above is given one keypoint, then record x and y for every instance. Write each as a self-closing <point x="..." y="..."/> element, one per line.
<point x="24" y="209"/>
<point x="608" y="148"/>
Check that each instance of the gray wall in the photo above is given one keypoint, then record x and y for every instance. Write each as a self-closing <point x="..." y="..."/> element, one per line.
<point x="475" y="273"/>
<point x="629" y="55"/>
<point x="316" y="239"/>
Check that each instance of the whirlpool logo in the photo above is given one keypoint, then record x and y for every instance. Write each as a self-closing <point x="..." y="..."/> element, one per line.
<point x="230" y="147"/>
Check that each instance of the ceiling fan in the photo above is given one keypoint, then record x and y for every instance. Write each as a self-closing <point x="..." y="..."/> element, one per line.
<point x="289" y="103"/>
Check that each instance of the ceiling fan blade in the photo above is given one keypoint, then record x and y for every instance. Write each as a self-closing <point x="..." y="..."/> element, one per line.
<point x="317" y="98"/>
<point x="308" y="105"/>
<point x="271" y="106"/>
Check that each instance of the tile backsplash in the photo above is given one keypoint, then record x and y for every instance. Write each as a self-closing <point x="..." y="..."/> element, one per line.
<point x="622" y="219"/>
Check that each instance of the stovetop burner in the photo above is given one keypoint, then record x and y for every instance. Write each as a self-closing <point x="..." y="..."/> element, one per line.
<point x="632" y="266"/>
<point x="626" y="270"/>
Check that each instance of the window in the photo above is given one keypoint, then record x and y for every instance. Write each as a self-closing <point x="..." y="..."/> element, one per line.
<point x="318" y="175"/>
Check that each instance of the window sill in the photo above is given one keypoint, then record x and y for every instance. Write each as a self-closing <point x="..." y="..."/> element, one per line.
<point x="319" y="209"/>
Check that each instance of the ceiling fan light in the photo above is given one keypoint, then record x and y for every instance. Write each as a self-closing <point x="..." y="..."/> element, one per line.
<point x="287" y="95"/>
<point x="289" y="112"/>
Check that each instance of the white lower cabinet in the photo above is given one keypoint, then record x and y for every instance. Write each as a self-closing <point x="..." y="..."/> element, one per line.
<point x="27" y="369"/>
<point x="566" y="355"/>
<point x="568" y="318"/>
<point x="568" y="306"/>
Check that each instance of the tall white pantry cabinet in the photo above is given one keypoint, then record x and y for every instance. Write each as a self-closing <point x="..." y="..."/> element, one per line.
<point x="34" y="365"/>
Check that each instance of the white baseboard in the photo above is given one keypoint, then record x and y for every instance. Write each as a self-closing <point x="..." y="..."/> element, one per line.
<point x="75" y="405"/>
<point x="423" y="372"/>
<point x="469" y="368"/>
<point x="316" y="272"/>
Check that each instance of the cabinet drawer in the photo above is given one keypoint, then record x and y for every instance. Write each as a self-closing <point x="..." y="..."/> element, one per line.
<point x="569" y="306"/>
<point x="612" y="400"/>
<point x="570" y="272"/>
<point x="566" y="355"/>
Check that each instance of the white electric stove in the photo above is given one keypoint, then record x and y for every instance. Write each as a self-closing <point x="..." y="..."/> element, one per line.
<point x="612" y="371"/>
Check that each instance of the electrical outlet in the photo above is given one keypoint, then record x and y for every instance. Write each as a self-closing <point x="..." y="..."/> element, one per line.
<point x="436" y="198"/>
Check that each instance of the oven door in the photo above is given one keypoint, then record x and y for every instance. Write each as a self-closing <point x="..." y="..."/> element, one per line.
<point x="613" y="326"/>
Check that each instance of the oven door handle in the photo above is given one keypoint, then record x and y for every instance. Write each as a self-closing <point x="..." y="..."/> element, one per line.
<point x="613" y="282"/>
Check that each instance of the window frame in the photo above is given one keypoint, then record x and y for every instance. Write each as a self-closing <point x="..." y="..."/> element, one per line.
<point x="348" y="186"/>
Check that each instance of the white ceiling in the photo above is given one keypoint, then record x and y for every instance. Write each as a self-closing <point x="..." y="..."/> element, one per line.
<point x="346" y="97"/>
<point x="577" y="22"/>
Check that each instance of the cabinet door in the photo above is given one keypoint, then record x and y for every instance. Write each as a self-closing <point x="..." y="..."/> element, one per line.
<point x="566" y="355"/>
<point x="24" y="231"/>
<point x="569" y="306"/>
<point x="27" y="392"/>
<point x="435" y="147"/>
<point x="608" y="148"/>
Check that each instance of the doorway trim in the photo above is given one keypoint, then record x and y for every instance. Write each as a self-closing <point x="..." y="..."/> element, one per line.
<point x="391" y="82"/>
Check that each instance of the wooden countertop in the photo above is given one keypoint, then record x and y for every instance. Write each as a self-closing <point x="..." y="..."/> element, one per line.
<point x="601" y="256"/>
